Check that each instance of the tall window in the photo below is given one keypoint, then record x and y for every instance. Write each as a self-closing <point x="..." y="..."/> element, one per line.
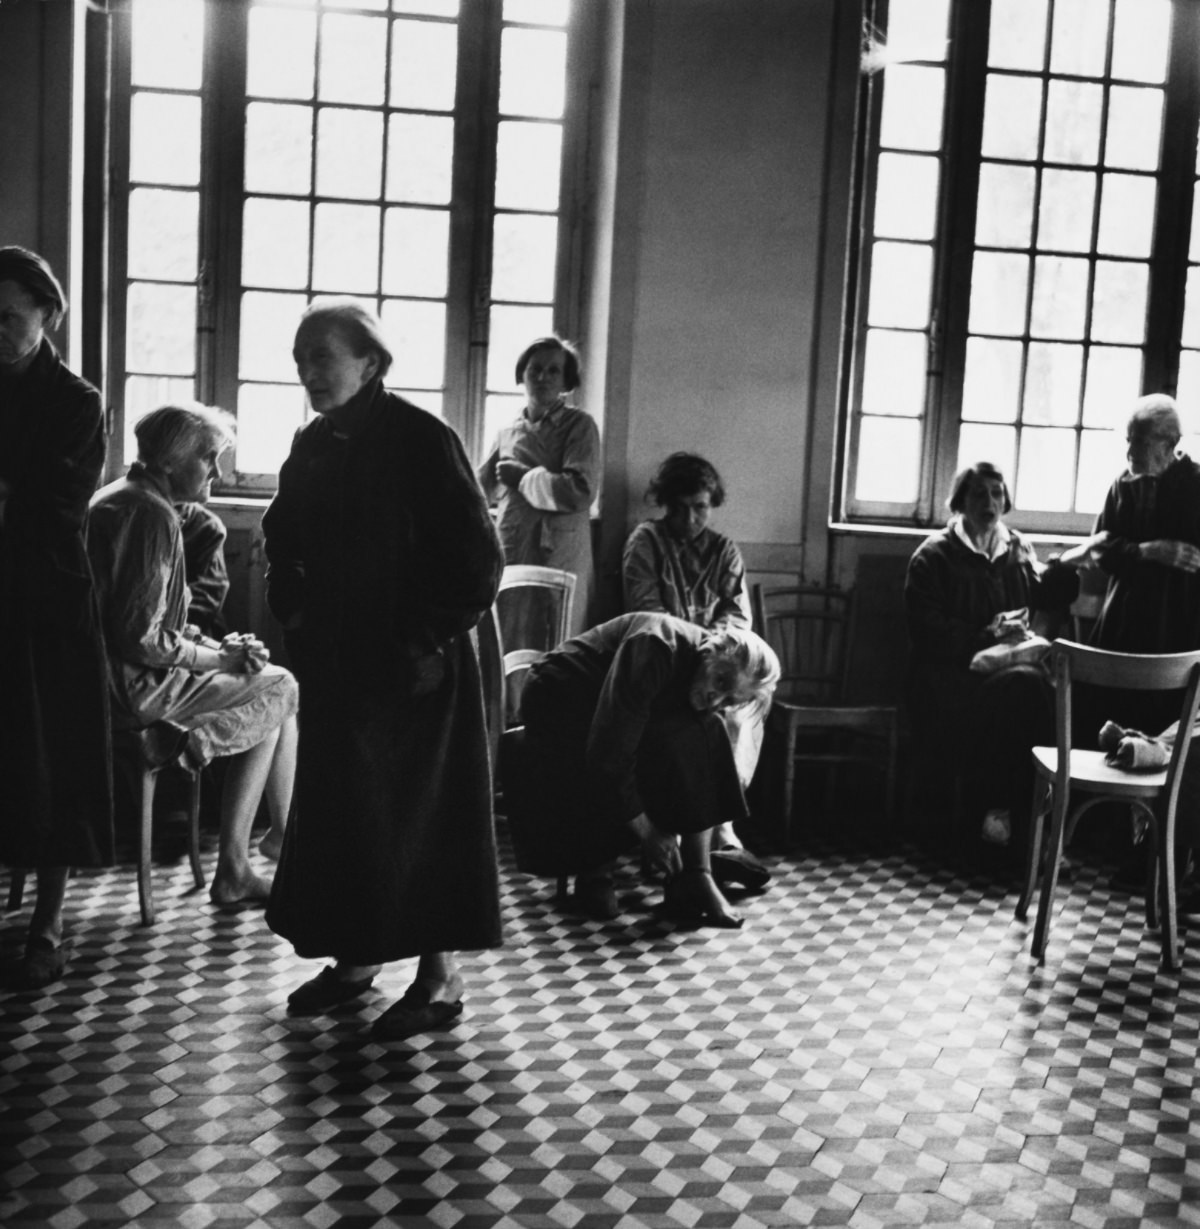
<point x="406" y="152"/>
<point x="1025" y="270"/>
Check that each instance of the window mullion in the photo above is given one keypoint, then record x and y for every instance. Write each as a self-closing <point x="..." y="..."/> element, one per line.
<point x="1172" y="232"/>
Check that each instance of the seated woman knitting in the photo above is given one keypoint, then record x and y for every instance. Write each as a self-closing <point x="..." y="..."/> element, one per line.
<point x="969" y="591"/>
<point x="624" y="740"/>
<point x="205" y="698"/>
<point x="679" y="566"/>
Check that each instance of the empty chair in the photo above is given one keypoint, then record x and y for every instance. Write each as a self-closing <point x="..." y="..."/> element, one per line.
<point x="1073" y="781"/>
<point x="809" y="628"/>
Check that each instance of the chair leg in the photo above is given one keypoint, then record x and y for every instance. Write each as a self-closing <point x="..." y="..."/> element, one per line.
<point x="16" y="888"/>
<point x="1037" y="816"/>
<point x="889" y="786"/>
<point x="1165" y="866"/>
<point x="194" y="830"/>
<point x="1041" y="927"/>
<point x="561" y="891"/>
<point x="149" y="780"/>
<point x="789" y="783"/>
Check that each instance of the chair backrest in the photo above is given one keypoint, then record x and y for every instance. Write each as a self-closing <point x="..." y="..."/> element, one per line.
<point x="807" y="627"/>
<point x="535" y="606"/>
<point x="1079" y="663"/>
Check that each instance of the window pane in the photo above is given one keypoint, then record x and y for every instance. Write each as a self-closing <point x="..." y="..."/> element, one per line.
<point x="906" y="196"/>
<point x="541" y="12"/>
<point x="900" y="284"/>
<point x="889" y="460"/>
<point x="1004" y="217"/>
<point x="524" y="249"/>
<point x="168" y="43"/>
<point x="1073" y="122"/>
<point x="416" y="333"/>
<point x="435" y="8"/>
<point x="427" y="399"/>
<point x="376" y="5"/>
<point x="912" y="107"/>
<point x="533" y="69"/>
<point x="528" y="158"/>
<point x="1012" y="111"/>
<point x="420" y="148"/>
<point x="349" y="153"/>
<point x="998" y="288"/>
<point x="894" y="373"/>
<point x="1142" y="36"/>
<point x="275" y="244"/>
<point x="416" y="251"/>
<point x="500" y="411"/>
<point x="987" y="443"/>
<point x="1045" y="470"/>
<point x="1134" y="129"/>
<point x="1065" y="213"/>
<point x="161" y="329"/>
<point x="1060" y="286"/>
<point x="164" y="139"/>
<point x="1187" y="391"/>
<point x="424" y="63"/>
<point x="146" y="393"/>
<point x="1053" y="382"/>
<point x="1080" y="41"/>
<point x="992" y="384"/>
<point x="1018" y="34"/>
<point x="163" y="234"/>
<point x="278" y="148"/>
<point x="917" y="28"/>
<point x="1126" y="215"/>
<point x="1114" y="380"/>
<point x="346" y="249"/>
<point x="353" y="57"/>
<point x="268" y="416"/>
<point x="512" y="329"/>
<point x="1191" y="310"/>
<point x="281" y="53"/>
<point x="268" y="330"/>
<point x="1101" y="460"/>
<point x="1119" y="302"/>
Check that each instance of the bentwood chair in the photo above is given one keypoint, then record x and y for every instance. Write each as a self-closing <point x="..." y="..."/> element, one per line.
<point x="533" y="609"/>
<point x="1069" y="781"/>
<point x="809" y="628"/>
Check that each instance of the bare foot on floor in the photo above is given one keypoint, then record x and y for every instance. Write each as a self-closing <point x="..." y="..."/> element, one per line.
<point x="246" y="889"/>
<point x="271" y="845"/>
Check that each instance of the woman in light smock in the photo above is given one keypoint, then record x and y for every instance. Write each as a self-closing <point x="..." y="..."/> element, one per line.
<point x="543" y="472"/>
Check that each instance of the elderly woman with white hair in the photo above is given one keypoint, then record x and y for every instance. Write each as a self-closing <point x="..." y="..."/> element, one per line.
<point x="205" y="698"/>
<point x="382" y="557"/>
<point x="624" y="739"/>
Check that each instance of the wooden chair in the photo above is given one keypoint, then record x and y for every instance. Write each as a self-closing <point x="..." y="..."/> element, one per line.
<point x="139" y="756"/>
<point x="809" y="628"/>
<point x="491" y="670"/>
<point x="533" y="611"/>
<point x="1063" y="772"/>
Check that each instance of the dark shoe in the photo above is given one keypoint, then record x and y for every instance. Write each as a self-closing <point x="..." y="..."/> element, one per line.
<point x="596" y="897"/>
<point x="732" y="865"/>
<point x="414" y="1013"/>
<point x="1188" y="898"/>
<point x="325" y="990"/>
<point x="42" y="964"/>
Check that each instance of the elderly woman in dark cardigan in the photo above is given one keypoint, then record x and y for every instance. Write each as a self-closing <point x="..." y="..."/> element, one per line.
<point x="382" y="557"/>
<point x="55" y="787"/>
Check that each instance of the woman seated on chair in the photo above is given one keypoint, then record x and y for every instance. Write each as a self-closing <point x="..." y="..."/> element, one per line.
<point x="206" y="698"/>
<point x="624" y="739"/>
<point x="972" y="586"/>
<point x="677" y="565"/>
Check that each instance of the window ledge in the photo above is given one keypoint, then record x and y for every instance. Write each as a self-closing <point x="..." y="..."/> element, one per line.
<point x="918" y="533"/>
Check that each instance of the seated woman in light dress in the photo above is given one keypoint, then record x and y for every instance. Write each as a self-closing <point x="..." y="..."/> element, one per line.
<point x="677" y="565"/>
<point x="206" y="698"/>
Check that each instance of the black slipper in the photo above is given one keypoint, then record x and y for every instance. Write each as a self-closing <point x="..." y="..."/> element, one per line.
<point x="738" y="866"/>
<point x="42" y="964"/>
<point x="324" y="991"/>
<point x="414" y="1013"/>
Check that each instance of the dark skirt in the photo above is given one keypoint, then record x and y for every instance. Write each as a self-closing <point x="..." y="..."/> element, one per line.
<point x="391" y="850"/>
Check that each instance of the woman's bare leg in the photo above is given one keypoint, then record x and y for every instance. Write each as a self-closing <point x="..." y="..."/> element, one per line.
<point x="245" y="780"/>
<point x="695" y="886"/>
<point x="280" y="782"/>
<point x="46" y="921"/>
<point x="438" y="973"/>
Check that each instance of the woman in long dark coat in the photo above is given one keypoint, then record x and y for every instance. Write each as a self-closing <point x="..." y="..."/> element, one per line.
<point x="55" y="774"/>
<point x="382" y="558"/>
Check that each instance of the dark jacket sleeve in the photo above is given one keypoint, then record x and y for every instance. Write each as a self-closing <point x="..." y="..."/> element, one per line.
<point x="283" y="540"/>
<point x="936" y="630"/>
<point x="1119" y="555"/>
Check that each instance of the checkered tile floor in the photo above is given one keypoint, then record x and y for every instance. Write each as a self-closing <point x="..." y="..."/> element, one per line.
<point x="875" y="1048"/>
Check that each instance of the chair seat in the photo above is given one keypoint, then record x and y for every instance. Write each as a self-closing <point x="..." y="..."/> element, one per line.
<point x="846" y="717"/>
<point x="1090" y="772"/>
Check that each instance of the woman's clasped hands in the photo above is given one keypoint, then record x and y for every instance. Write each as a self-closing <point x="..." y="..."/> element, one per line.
<point x="243" y="653"/>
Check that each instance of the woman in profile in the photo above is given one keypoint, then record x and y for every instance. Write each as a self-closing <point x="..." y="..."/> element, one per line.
<point x="55" y="770"/>
<point x="382" y="557"/>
